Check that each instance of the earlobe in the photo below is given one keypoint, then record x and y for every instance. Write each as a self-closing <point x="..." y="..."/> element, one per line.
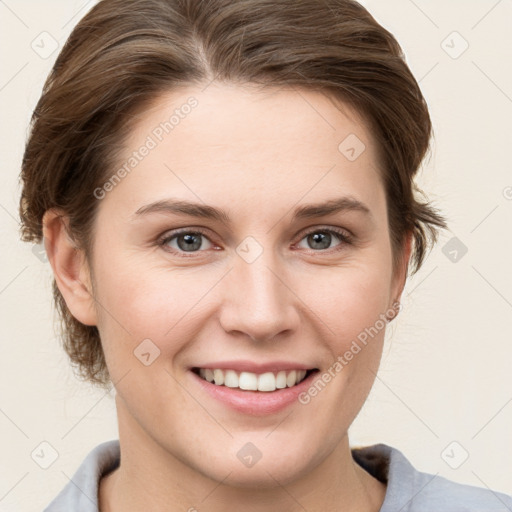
<point x="69" y="266"/>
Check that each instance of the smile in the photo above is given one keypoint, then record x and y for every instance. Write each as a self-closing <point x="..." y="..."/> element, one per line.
<point x="268" y="381"/>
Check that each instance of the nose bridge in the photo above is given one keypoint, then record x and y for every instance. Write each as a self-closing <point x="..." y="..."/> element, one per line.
<point x="260" y="284"/>
<point x="257" y="302"/>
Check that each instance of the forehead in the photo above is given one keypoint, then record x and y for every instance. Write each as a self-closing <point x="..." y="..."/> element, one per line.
<point x="203" y="142"/>
<point x="250" y="117"/>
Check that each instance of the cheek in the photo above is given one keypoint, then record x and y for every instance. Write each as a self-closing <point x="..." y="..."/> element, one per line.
<point x="156" y="303"/>
<point x="347" y="300"/>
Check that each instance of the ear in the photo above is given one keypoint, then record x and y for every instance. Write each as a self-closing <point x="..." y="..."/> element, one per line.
<point x="400" y="276"/>
<point x="69" y="266"/>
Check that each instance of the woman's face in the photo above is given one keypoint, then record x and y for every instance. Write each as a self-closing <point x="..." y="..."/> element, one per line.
<point x="257" y="277"/>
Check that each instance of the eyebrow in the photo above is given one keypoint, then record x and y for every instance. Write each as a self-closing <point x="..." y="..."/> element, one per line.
<point x="203" y="211"/>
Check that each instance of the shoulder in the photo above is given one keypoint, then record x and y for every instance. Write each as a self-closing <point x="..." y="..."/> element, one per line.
<point x="81" y="492"/>
<point x="410" y="490"/>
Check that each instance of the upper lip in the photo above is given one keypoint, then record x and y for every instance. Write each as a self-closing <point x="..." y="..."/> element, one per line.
<point x="251" y="366"/>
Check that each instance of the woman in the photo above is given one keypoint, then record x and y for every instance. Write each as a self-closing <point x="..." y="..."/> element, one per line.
<point x="225" y="191"/>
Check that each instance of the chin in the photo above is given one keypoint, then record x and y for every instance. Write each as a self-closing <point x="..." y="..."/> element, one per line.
<point x="277" y="468"/>
<point x="261" y="476"/>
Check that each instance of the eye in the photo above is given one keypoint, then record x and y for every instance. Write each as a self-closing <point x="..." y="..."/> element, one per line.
<point x="320" y="239"/>
<point x="185" y="241"/>
<point x="191" y="241"/>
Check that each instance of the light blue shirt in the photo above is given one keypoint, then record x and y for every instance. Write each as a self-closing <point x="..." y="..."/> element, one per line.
<point x="408" y="490"/>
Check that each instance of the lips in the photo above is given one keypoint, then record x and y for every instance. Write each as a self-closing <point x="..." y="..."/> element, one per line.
<point x="271" y="399"/>
<point x="251" y="376"/>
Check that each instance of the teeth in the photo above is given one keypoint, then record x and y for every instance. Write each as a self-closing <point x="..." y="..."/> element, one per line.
<point x="281" y="380"/>
<point x="268" y="381"/>
<point x="218" y="375"/>
<point x="230" y="379"/>
<point x="248" y="381"/>
<point x="291" y="378"/>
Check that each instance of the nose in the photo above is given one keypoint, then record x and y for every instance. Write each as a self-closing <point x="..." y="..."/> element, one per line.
<point x="257" y="300"/>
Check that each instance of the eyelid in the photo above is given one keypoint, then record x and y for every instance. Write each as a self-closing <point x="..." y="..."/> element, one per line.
<point x="342" y="232"/>
<point x="169" y="235"/>
<point x="346" y="237"/>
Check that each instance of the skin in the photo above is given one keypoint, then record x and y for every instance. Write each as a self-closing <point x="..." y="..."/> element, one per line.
<point x="257" y="155"/>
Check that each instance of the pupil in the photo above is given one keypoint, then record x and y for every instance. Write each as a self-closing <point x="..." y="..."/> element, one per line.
<point x="191" y="242"/>
<point x="324" y="239"/>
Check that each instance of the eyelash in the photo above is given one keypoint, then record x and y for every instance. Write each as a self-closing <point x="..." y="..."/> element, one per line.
<point x="343" y="235"/>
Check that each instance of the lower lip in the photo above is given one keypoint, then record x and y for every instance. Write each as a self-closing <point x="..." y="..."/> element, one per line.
<point x="255" y="402"/>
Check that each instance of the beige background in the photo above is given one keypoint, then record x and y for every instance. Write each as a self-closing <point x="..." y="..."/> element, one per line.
<point x="445" y="374"/>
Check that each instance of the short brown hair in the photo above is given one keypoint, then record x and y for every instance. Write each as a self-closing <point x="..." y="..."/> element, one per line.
<point x="124" y="53"/>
